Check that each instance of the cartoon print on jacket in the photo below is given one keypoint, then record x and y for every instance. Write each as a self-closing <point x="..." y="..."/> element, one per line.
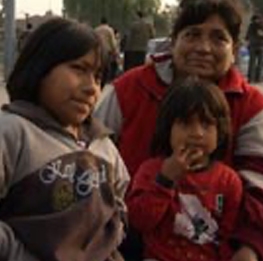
<point x="195" y="221"/>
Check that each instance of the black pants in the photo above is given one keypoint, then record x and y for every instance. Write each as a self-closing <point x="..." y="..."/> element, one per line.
<point x="132" y="246"/>
<point x="133" y="58"/>
<point x="255" y="64"/>
<point x="109" y="70"/>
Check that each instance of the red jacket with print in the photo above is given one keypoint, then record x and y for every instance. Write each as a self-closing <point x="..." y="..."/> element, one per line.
<point x="191" y="221"/>
<point x="139" y="93"/>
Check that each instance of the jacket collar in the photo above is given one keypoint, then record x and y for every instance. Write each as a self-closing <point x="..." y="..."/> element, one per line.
<point x="232" y="82"/>
<point x="90" y="129"/>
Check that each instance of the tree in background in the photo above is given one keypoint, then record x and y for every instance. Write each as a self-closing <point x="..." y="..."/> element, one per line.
<point x="120" y="13"/>
<point x="1" y="13"/>
<point x="258" y="4"/>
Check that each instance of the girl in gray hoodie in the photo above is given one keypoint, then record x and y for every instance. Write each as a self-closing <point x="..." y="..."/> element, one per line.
<point x="62" y="181"/>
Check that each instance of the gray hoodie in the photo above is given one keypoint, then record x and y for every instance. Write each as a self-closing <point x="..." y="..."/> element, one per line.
<point x="61" y="198"/>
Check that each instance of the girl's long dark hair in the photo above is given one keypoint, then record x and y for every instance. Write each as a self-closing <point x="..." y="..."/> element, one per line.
<point x="56" y="41"/>
<point x="188" y="97"/>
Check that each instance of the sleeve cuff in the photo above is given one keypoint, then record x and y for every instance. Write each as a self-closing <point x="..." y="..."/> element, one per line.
<point x="164" y="182"/>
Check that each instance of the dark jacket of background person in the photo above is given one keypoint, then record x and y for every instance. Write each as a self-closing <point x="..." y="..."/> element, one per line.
<point x="255" y="32"/>
<point x="139" y="34"/>
<point x="255" y="46"/>
<point x="136" y="42"/>
<point x="23" y="37"/>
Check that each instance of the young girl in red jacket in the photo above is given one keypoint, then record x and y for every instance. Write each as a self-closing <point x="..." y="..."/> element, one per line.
<point x="184" y="201"/>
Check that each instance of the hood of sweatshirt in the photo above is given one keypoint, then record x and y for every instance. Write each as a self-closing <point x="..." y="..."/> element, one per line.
<point x="90" y="129"/>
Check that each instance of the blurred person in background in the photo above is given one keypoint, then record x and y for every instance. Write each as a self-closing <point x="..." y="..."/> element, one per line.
<point x="254" y="38"/>
<point x="110" y="44"/>
<point x="136" y="41"/>
<point x="24" y="35"/>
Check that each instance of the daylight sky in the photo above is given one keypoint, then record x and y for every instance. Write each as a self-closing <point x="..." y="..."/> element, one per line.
<point x="41" y="6"/>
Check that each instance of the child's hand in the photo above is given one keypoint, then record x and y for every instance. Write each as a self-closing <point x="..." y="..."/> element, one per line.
<point x="182" y="161"/>
<point x="245" y="253"/>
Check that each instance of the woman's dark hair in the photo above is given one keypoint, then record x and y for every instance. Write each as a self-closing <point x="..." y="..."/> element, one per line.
<point x="192" y="12"/>
<point x="186" y="98"/>
<point x="56" y="41"/>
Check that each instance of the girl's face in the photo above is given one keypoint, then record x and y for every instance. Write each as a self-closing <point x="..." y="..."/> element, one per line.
<point x="206" y="49"/>
<point x="71" y="89"/>
<point x="194" y="134"/>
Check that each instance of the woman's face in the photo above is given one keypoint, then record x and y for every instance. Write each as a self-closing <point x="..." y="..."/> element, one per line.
<point x="206" y="49"/>
<point x="70" y="91"/>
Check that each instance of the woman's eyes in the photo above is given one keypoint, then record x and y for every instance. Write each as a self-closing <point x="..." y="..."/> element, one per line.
<point x="82" y="70"/>
<point x="220" y="37"/>
<point x="217" y="37"/>
<point x="192" y="34"/>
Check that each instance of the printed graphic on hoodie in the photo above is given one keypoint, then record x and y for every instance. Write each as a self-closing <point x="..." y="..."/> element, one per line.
<point x="73" y="180"/>
<point x="66" y="208"/>
<point x="195" y="221"/>
<point x="59" y="184"/>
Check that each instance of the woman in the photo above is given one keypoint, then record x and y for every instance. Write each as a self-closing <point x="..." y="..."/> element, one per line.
<point x="205" y="38"/>
<point x="62" y="179"/>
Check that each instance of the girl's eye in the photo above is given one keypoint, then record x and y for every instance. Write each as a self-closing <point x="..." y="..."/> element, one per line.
<point x="206" y="125"/>
<point x="209" y="123"/>
<point x="220" y="39"/>
<point x="79" y="68"/>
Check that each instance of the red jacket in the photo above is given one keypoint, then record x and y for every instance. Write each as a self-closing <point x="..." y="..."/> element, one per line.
<point x="191" y="221"/>
<point x="139" y="94"/>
